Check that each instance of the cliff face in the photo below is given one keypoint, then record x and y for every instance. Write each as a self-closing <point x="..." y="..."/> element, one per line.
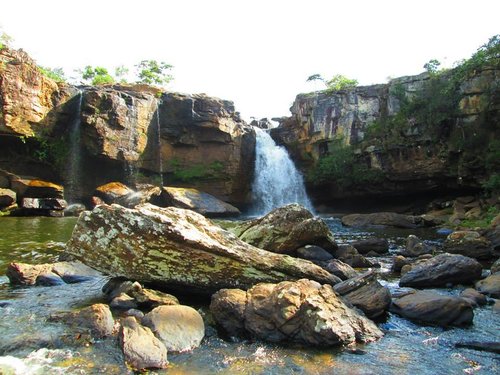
<point x="439" y="146"/>
<point x="129" y="133"/>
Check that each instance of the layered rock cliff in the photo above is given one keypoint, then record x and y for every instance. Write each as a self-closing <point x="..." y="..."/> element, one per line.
<point x="86" y="136"/>
<point x="417" y="135"/>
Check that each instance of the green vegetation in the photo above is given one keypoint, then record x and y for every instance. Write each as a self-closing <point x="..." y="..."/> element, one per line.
<point x="342" y="167"/>
<point x="5" y="40"/>
<point x="432" y="66"/>
<point x="97" y="75"/>
<point x="56" y="74"/>
<point x="200" y="171"/>
<point x="484" y="221"/>
<point x="336" y="83"/>
<point x="153" y="72"/>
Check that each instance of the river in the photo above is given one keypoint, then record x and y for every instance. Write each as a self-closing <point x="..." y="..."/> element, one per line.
<point x="30" y="344"/>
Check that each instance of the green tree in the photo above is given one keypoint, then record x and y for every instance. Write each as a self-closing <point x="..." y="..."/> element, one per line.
<point x="432" y="66"/>
<point x="336" y="83"/>
<point x="153" y="72"/>
<point x="97" y="75"/>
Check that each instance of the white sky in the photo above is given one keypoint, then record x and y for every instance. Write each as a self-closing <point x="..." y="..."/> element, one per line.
<point x="257" y="53"/>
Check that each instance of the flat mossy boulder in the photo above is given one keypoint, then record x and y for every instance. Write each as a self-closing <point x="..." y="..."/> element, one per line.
<point x="178" y="248"/>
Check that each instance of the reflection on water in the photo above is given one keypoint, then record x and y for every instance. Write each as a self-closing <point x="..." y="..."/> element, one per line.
<point x="30" y="344"/>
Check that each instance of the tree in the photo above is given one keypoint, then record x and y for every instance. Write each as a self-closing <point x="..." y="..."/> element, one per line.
<point x="5" y="40"/>
<point x="97" y="75"/>
<point x="432" y="66"/>
<point x="336" y="83"/>
<point x="153" y="72"/>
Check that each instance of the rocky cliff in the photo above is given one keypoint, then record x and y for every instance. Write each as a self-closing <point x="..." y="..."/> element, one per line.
<point x="85" y="136"/>
<point x="418" y="135"/>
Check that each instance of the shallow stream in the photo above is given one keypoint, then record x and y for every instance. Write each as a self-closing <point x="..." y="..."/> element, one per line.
<point x="30" y="344"/>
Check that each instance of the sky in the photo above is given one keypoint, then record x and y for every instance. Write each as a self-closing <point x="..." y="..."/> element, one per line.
<point x="257" y="53"/>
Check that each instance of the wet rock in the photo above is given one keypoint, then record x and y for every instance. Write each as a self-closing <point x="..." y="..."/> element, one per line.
<point x="96" y="318"/>
<point x="142" y="194"/>
<point x="178" y="248"/>
<point x="123" y="302"/>
<point x="74" y="209"/>
<point x="415" y="247"/>
<point x="435" y="309"/>
<point x="314" y="253"/>
<point x="228" y="307"/>
<point x="349" y="255"/>
<point x="43" y="204"/>
<point x="493" y="347"/>
<point x="198" y="201"/>
<point x="495" y="267"/>
<point x="490" y="286"/>
<point x="179" y="327"/>
<point x="49" y="279"/>
<point x="340" y="269"/>
<point x="398" y="263"/>
<point x="468" y="243"/>
<point x="141" y="349"/>
<point x="378" y="245"/>
<point x="70" y="272"/>
<point x="441" y="270"/>
<point x="285" y="229"/>
<point x="31" y="187"/>
<point x="390" y="219"/>
<point x="7" y="197"/>
<point x="142" y="297"/>
<point x="302" y="311"/>
<point x="366" y="293"/>
<point x="474" y="297"/>
<point x="112" y="191"/>
<point x="496" y="306"/>
<point x="26" y="274"/>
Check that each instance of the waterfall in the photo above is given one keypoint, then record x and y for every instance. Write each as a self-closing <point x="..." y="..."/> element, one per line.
<point x="158" y="133"/>
<point x="276" y="180"/>
<point x="74" y="176"/>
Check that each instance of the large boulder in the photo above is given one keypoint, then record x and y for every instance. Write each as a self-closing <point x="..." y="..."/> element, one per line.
<point x="468" y="243"/>
<point x="390" y="219"/>
<point x="339" y="269"/>
<point x="112" y="191"/>
<point x="441" y="270"/>
<point x="366" y="293"/>
<point x="349" y="255"/>
<point x="302" y="311"/>
<point x="178" y="248"/>
<point x="7" y="197"/>
<point x="285" y="229"/>
<point x="435" y="309"/>
<point x="180" y="328"/>
<point x="198" y="201"/>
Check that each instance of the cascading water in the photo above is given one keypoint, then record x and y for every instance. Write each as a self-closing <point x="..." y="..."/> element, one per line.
<point x="158" y="133"/>
<point x="74" y="176"/>
<point x="276" y="180"/>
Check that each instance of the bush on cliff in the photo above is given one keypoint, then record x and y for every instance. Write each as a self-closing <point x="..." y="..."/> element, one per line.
<point x="343" y="168"/>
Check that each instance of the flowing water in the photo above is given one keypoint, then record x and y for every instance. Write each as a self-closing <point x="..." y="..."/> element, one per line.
<point x="276" y="180"/>
<point x="30" y="344"/>
<point x="158" y="133"/>
<point x="74" y="177"/>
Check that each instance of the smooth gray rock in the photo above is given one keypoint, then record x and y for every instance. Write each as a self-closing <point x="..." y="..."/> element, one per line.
<point x="490" y="286"/>
<point x="378" y="245"/>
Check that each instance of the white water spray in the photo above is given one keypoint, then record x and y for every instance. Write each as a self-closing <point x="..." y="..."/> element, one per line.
<point x="158" y="133"/>
<point x="74" y="177"/>
<point x="276" y="182"/>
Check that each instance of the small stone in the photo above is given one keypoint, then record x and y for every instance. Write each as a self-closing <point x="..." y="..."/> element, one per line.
<point x="472" y="295"/>
<point x="490" y="286"/>
<point x="123" y="301"/>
